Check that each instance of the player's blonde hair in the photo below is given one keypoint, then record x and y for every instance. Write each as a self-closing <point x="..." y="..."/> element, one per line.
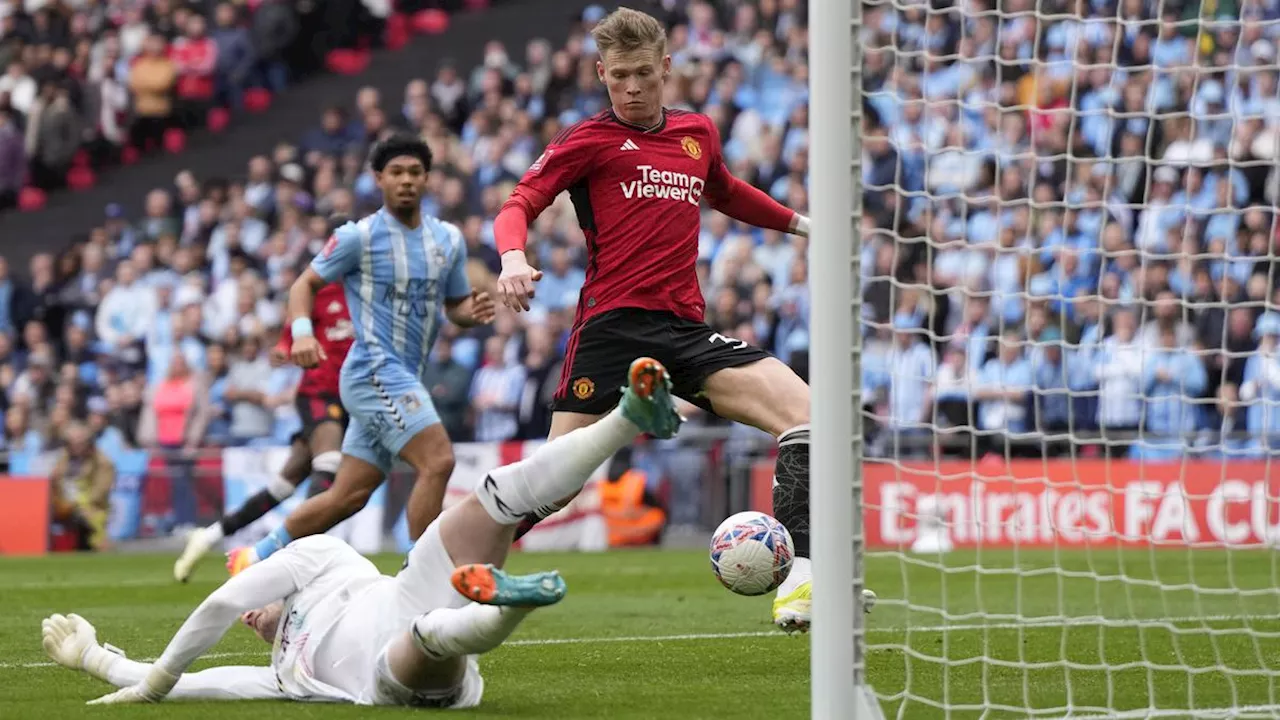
<point x="625" y="29"/>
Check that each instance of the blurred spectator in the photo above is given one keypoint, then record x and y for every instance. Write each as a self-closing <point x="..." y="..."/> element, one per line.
<point x="152" y="77"/>
<point x="174" y="419"/>
<point x="248" y="382"/>
<point x="218" y="431"/>
<point x="496" y="393"/>
<point x="80" y="487"/>
<point x="35" y="385"/>
<point x="195" y="59"/>
<point x="911" y="367"/>
<point x="1004" y="385"/>
<point x="53" y="136"/>
<point x="450" y="386"/>
<point x="274" y="29"/>
<point x="541" y="378"/>
<point x="1118" y="366"/>
<point x="1051" y="392"/>
<point x="633" y="515"/>
<point x="1173" y="377"/>
<point x="13" y="160"/>
<point x="560" y="282"/>
<point x="126" y="314"/>
<point x="334" y="135"/>
<point x="19" y="87"/>
<point x="7" y="290"/>
<point x="235" y="55"/>
<point x="1260" y="389"/>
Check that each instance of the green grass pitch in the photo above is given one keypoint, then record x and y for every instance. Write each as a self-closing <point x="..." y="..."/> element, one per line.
<point x="650" y="634"/>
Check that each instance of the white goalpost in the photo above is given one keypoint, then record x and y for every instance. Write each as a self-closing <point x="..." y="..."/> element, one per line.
<point x="839" y="687"/>
<point x="1045" y="358"/>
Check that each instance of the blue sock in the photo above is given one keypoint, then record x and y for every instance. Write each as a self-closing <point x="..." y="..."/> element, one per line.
<point x="274" y="541"/>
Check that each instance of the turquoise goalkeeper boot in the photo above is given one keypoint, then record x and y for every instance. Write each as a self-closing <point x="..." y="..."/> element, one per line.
<point x="488" y="585"/>
<point x="647" y="401"/>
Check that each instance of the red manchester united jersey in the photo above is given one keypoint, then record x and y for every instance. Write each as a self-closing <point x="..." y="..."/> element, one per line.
<point x="637" y="193"/>
<point x="332" y="326"/>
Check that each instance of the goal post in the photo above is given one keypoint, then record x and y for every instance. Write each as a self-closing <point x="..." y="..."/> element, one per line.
<point x="839" y="683"/>
<point x="1045" y="358"/>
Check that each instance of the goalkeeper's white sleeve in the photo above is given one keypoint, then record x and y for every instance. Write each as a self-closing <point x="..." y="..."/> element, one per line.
<point x="280" y="575"/>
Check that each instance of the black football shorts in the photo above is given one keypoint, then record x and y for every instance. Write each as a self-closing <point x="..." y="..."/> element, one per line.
<point x="600" y="352"/>
<point x="315" y="410"/>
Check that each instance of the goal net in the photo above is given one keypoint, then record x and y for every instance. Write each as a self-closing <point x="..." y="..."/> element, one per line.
<point x="1070" y="370"/>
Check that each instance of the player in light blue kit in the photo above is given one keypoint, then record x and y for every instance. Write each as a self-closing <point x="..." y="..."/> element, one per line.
<point x="402" y="273"/>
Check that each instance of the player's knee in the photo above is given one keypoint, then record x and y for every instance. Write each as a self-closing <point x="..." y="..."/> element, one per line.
<point x="438" y="467"/>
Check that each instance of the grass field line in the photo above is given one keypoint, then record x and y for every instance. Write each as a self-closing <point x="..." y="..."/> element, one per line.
<point x="1242" y="711"/>
<point x="872" y="630"/>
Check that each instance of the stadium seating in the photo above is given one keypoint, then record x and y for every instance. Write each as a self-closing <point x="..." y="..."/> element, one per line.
<point x="255" y="49"/>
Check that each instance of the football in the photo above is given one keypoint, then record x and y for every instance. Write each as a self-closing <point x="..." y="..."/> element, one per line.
<point x="751" y="553"/>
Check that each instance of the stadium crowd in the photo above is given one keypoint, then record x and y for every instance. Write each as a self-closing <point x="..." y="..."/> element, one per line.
<point x="109" y="77"/>
<point x="1068" y="237"/>
<point x="1084" y="212"/>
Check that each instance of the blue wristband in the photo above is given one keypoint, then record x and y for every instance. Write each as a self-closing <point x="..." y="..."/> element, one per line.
<point x="301" y="327"/>
<point x="275" y="540"/>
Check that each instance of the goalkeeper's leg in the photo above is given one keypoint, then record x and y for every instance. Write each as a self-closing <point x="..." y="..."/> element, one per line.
<point x="430" y="665"/>
<point x="72" y="642"/>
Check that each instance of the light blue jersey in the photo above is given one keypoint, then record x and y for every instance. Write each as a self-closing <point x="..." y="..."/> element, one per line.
<point x="397" y="280"/>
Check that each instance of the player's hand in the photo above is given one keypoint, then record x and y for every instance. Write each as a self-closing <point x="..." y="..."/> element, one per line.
<point x="278" y="357"/>
<point x="483" y="308"/>
<point x="515" y="284"/>
<point x="66" y="637"/>
<point x="307" y="352"/>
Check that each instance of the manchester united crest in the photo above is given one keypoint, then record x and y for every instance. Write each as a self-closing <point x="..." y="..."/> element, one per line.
<point x="335" y="412"/>
<point x="584" y="388"/>
<point x="691" y="147"/>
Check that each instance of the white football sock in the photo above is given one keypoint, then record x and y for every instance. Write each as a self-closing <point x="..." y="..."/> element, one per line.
<point x="554" y="471"/>
<point x="280" y="488"/>
<point x="473" y="629"/>
<point x="801" y="572"/>
<point x="214" y="533"/>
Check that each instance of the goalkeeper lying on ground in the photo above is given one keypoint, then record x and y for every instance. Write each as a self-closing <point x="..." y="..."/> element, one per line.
<point x="343" y="632"/>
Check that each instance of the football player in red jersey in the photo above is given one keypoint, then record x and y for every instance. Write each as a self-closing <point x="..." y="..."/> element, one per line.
<point x="317" y="450"/>
<point x="637" y="174"/>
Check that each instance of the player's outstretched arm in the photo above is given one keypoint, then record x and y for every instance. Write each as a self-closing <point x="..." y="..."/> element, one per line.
<point x="564" y="162"/>
<point x="72" y="642"/>
<point x="261" y="584"/>
<point x="744" y="202"/>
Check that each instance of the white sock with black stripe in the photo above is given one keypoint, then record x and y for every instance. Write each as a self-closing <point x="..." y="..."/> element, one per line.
<point x="554" y="471"/>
